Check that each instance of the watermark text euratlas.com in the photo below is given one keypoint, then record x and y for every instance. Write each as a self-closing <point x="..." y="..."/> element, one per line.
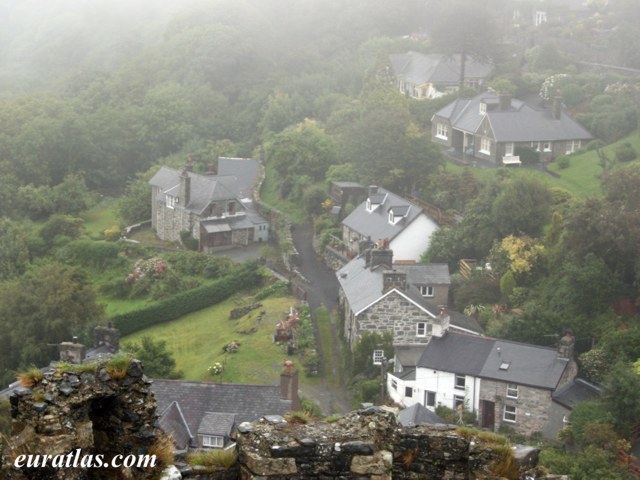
<point x="75" y="459"/>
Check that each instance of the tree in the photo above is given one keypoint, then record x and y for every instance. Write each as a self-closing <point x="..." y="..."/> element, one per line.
<point x="523" y="207"/>
<point x="363" y="353"/>
<point x="465" y="28"/>
<point x="14" y="254"/>
<point x="156" y="359"/>
<point x="620" y="397"/>
<point x="49" y="304"/>
<point x="304" y="149"/>
<point x="135" y="205"/>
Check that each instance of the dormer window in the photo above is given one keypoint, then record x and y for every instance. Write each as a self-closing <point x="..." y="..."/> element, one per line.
<point x="391" y="217"/>
<point x="369" y="209"/>
<point x="231" y="208"/>
<point x="426" y="290"/>
<point x="483" y="108"/>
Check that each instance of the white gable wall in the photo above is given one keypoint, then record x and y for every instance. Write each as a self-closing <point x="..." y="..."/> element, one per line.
<point x="443" y="384"/>
<point x="414" y="240"/>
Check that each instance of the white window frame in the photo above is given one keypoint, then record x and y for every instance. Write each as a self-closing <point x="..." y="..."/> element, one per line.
<point x="510" y="413"/>
<point x="427" y="290"/>
<point x="442" y="131"/>
<point x="171" y="201"/>
<point x="535" y="146"/>
<point x="391" y="217"/>
<point x="378" y="356"/>
<point x="394" y="384"/>
<point x="483" y="108"/>
<point x="426" y="399"/>
<point x="540" y="17"/>
<point x="546" y="146"/>
<point x="460" y="382"/>
<point x="421" y="329"/>
<point x="458" y="400"/>
<point x="212" y="441"/>
<point x="512" y="390"/>
<point x="485" y="145"/>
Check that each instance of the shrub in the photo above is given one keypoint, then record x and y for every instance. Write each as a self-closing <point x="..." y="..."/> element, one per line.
<point x="112" y="234"/>
<point x="625" y="152"/>
<point x="188" y="241"/>
<point x="276" y="289"/>
<point x="215" y="458"/>
<point x="188" y="301"/>
<point x="563" y="162"/>
<point x="527" y="155"/>
<point x="90" y="253"/>
<point x="30" y="378"/>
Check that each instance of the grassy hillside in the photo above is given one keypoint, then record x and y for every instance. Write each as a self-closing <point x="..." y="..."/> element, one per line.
<point x="196" y="342"/>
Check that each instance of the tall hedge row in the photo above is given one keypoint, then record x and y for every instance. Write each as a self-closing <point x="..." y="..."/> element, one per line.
<point x="187" y="302"/>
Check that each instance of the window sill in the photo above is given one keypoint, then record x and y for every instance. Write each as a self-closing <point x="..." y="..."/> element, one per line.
<point x="508" y="421"/>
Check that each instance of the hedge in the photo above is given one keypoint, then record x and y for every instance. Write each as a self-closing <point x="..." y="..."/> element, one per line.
<point x="187" y="302"/>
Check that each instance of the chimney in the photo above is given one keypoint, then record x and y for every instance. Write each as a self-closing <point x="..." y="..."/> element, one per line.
<point x="72" y="352"/>
<point x="444" y="319"/>
<point x="504" y="100"/>
<point x="557" y="107"/>
<point x="381" y="257"/>
<point x="565" y="347"/>
<point x="107" y="336"/>
<point x="189" y="166"/>
<point x="289" y="386"/>
<point x="185" y="187"/>
<point x="394" y="279"/>
<point x="211" y="169"/>
<point x="373" y="189"/>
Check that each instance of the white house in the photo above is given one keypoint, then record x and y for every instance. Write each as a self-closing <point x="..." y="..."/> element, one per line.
<point x="506" y="383"/>
<point x="385" y="216"/>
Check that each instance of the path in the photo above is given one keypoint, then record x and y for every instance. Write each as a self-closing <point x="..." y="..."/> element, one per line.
<point x="322" y="290"/>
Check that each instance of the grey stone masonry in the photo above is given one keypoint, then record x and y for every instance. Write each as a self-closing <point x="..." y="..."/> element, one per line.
<point x="532" y="406"/>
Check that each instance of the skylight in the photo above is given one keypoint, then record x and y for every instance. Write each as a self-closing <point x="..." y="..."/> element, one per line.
<point x="504" y="366"/>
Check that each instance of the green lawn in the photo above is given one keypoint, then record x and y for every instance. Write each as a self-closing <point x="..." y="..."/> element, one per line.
<point x="102" y="216"/>
<point x="196" y="341"/>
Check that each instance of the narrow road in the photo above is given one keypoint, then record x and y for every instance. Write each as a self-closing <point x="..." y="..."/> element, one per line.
<point x="322" y="291"/>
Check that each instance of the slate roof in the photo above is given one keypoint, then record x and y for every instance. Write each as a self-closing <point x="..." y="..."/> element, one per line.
<point x="204" y="188"/>
<point x="519" y="123"/>
<point x="376" y="224"/>
<point x="418" y="414"/>
<point x="579" y="390"/>
<point x="245" y="170"/>
<point x="215" y="423"/>
<point x="247" y="402"/>
<point x="408" y="355"/>
<point x="172" y="420"/>
<point x="420" y="68"/>
<point x="482" y="357"/>
<point x="355" y="275"/>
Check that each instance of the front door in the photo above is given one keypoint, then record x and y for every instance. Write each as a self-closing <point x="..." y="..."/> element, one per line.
<point x="488" y="414"/>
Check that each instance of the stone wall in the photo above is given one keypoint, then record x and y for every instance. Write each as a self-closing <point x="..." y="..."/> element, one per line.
<point x="532" y="406"/>
<point x="367" y="444"/>
<point x="99" y="410"/>
<point x="398" y="315"/>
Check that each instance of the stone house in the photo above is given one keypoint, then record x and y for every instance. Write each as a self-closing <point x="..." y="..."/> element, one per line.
<point x="494" y="127"/>
<point x="408" y="299"/>
<point x="207" y="415"/>
<point x="385" y="216"/>
<point x="426" y="76"/>
<point x="209" y="207"/>
<point x="507" y="384"/>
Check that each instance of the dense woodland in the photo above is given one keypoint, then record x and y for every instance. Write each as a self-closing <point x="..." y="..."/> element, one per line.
<point x="93" y="100"/>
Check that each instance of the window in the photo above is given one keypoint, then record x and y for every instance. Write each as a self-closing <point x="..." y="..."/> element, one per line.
<point x="368" y="204"/>
<point x="509" y="414"/>
<point x="460" y="381"/>
<point x="212" y="441"/>
<point x="430" y="399"/>
<point x="483" y="108"/>
<point x="391" y="217"/>
<point x="512" y="390"/>
<point x="485" y="145"/>
<point x="426" y="290"/>
<point x="442" y="131"/>
<point x="572" y="146"/>
<point x="540" y="18"/>
<point x="421" y="329"/>
<point x="171" y="201"/>
<point x="231" y="207"/>
<point x="535" y="146"/>
<point x="394" y="384"/>
<point x="546" y="146"/>
<point x="378" y="357"/>
<point x="458" y="400"/>
<point x="408" y="392"/>
<point x="508" y="149"/>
